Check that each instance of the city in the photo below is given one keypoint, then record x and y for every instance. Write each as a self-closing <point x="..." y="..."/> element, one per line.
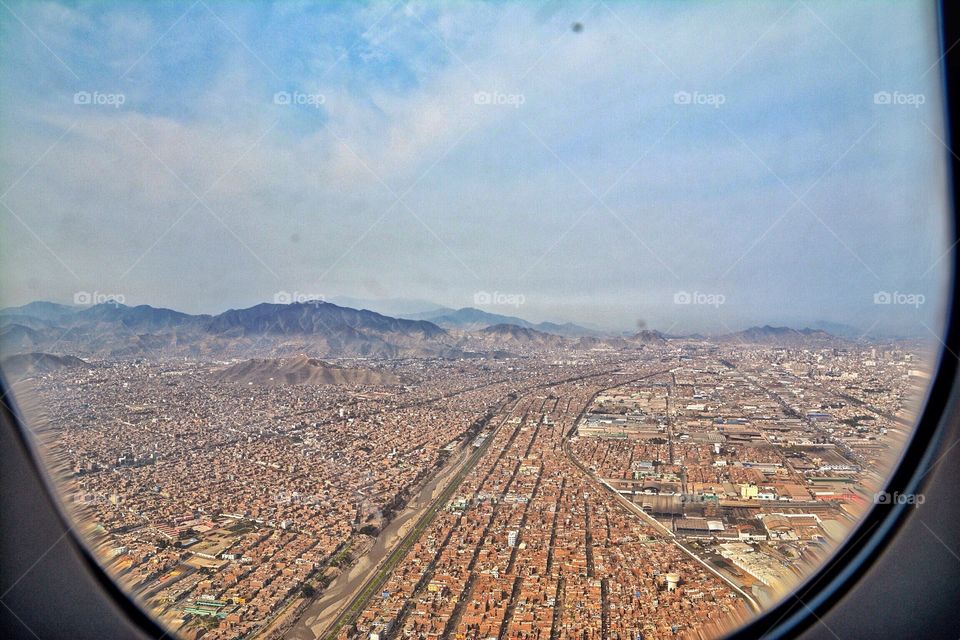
<point x="661" y="486"/>
<point x="412" y="320"/>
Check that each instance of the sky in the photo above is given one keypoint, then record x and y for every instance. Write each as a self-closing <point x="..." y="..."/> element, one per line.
<point x="678" y="166"/>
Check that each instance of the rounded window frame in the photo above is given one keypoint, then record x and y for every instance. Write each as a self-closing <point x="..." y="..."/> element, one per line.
<point x="820" y="590"/>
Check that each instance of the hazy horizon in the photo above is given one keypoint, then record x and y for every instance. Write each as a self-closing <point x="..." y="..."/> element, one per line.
<point x="583" y="159"/>
<point x="419" y="308"/>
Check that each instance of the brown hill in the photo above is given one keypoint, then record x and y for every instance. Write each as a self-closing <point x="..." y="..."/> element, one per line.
<point x="301" y="370"/>
<point x="23" y="365"/>
<point x="512" y="335"/>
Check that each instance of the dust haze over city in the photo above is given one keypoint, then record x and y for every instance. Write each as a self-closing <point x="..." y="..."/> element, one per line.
<point x="482" y="320"/>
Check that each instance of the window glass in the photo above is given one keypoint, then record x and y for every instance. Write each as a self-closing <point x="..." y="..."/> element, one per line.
<point x="476" y="320"/>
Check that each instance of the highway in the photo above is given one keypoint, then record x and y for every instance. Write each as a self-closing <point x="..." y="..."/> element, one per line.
<point x="319" y="620"/>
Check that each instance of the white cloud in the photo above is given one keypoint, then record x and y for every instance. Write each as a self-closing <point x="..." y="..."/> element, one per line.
<point x="401" y="101"/>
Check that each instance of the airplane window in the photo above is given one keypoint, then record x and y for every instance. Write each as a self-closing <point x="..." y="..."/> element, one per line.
<point x="473" y="320"/>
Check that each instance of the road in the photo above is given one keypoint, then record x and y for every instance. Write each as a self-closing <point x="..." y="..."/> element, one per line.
<point x="345" y="597"/>
<point x="633" y="508"/>
<point x="348" y="593"/>
<point x="319" y="615"/>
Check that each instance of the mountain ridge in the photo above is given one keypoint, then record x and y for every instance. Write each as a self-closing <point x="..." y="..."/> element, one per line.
<point x="321" y="329"/>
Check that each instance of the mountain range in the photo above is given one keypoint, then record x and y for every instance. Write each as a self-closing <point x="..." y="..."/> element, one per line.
<point x="318" y="329"/>
<point x="117" y="330"/>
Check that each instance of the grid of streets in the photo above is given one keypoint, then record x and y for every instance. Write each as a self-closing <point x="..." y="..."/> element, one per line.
<point x="598" y="494"/>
